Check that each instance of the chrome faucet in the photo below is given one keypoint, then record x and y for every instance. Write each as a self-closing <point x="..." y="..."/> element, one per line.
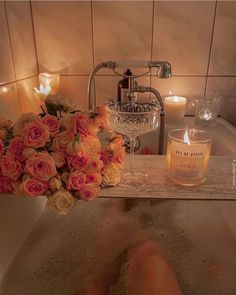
<point x="163" y="72"/>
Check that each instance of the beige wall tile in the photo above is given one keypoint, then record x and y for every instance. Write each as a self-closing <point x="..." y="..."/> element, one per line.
<point x="224" y="87"/>
<point x="122" y="30"/>
<point x="223" y="57"/>
<point x="6" y="63"/>
<point x="190" y="87"/>
<point x="63" y="36"/>
<point x="75" y="88"/>
<point x="22" y="38"/>
<point x="182" y="35"/>
<point x="28" y="101"/>
<point x="10" y="106"/>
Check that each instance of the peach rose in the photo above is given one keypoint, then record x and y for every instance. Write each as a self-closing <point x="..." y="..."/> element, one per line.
<point x="35" y="134"/>
<point x="6" y="186"/>
<point x="68" y="122"/>
<point x="77" y="162"/>
<point x="81" y="123"/>
<point x="74" y="147"/>
<point x="10" y="167"/>
<point x="111" y="175"/>
<point x="59" y="158"/>
<point x="52" y="123"/>
<point x="60" y="142"/>
<point x="102" y="116"/>
<point x="118" y="140"/>
<point x="94" y="124"/>
<point x="117" y="152"/>
<point x="75" y="181"/>
<point x="62" y="201"/>
<point x="16" y="148"/>
<point x="91" y="144"/>
<point x="41" y="166"/>
<point x="1" y="148"/>
<point x="22" y="122"/>
<point x="89" y="192"/>
<point x="33" y="187"/>
<point x="55" y="183"/>
<point x="28" y="152"/>
<point x="5" y="123"/>
<point x="94" y="177"/>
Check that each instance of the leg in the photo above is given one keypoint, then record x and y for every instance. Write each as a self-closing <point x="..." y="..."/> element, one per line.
<point x="150" y="273"/>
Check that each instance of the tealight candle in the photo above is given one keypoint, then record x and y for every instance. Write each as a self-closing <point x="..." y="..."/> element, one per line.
<point x="50" y="80"/>
<point x="188" y="154"/>
<point x="175" y="109"/>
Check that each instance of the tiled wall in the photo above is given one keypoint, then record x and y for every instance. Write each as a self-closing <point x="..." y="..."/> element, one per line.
<point x="70" y="37"/>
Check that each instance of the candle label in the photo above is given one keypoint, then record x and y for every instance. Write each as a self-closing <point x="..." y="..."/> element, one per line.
<point x="188" y="160"/>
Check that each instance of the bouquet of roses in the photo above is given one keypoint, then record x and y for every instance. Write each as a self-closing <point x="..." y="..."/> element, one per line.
<point x="61" y="158"/>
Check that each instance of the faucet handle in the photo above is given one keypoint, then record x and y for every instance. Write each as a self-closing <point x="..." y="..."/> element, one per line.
<point x="164" y="70"/>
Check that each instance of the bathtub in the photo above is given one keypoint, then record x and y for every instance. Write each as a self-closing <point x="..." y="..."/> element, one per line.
<point x="219" y="146"/>
<point x="41" y="253"/>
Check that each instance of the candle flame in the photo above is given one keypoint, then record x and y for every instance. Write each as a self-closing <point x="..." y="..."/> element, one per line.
<point x="186" y="136"/>
<point x="42" y="92"/>
<point x="170" y="92"/>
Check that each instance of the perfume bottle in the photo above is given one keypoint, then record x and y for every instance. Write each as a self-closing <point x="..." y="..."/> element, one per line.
<point x="123" y="87"/>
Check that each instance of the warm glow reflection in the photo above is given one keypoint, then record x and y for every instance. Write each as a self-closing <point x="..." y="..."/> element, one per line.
<point x="4" y="89"/>
<point x="186" y="136"/>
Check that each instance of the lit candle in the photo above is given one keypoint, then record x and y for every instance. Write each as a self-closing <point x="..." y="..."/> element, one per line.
<point x="52" y="80"/>
<point x="188" y="154"/>
<point x="174" y="109"/>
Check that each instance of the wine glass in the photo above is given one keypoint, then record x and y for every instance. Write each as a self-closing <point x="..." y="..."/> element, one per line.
<point x="133" y="119"/>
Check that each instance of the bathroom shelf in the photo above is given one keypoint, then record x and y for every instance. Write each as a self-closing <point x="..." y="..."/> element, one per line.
<point x="218" y="186"/>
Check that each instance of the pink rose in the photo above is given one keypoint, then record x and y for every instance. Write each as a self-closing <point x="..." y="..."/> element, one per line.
<point x="105" y="157"/>
<point x="6" y="186"/>
<point x="52" y="123"/>
<point x="82" y="123"/>
<point x="41" y="166"/>
<point x="60" y="142"/>
<point x="10" y="167"/>
<point x="78" y="162"/>
<point x="1" y="148"/>
<point x="89" y="192"/>
<point x="95" y="165"/>
<point x="94" y="177"/>
<point x="16" y="148"/>
<point x="59" y="158"/>
<point x="33" y="187"/>
<point x="76" y="181"/>
<point x="35" y="134"/>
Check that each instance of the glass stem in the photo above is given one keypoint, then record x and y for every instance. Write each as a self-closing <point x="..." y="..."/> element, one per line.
<point x="132" y="145"/>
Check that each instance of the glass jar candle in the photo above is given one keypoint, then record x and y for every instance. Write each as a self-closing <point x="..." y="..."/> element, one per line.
<point x="188" y="154"/>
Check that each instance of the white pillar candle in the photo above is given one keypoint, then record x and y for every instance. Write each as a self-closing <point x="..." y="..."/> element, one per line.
<point x="52" y="80"/>
<point x="175" y="109"/>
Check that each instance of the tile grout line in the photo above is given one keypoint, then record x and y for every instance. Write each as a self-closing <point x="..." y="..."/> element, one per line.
<point x="210" y="50"/>
<point x="93" y="47"/>
<point x="17" y="80"/>
<point x="34" y="36"/>
<point x="12" y="55"/>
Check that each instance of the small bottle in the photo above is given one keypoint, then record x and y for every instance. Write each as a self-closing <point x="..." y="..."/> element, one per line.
<point x="123" y="87"/>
